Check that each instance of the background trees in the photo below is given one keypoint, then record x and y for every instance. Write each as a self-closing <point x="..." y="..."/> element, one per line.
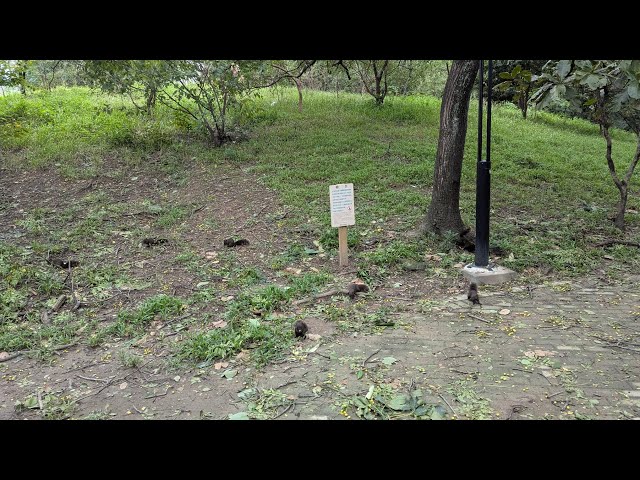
<point x="608" y="93"/>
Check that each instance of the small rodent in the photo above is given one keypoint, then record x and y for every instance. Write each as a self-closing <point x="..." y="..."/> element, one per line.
<point x="230" y="242"/>
<point x="148" y="242"/>
<point x="300" y="329"/>
<point x="472" y="296"/>
<point x="353" y="288"/>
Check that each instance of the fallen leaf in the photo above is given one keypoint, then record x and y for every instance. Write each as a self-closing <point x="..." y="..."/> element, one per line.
<point x="247" y="393"/>
<point x="226" y="299"/>
<point x="396" y="383"/>
<point x="313" y="336"/>
<point x="434" y="258"/>
<point x="220" y="365"/>
<point x="504" y="311"/>
<point x="389" y="360"/>
<point x="239" y="416"/>
<point x="206" y="389"/>
<point x="229" y="374"/>
<point x="313" y="349"/>
<point x="295" y="271"/>
<point x="176" y="378"/>
<point x="123" y="385"/>
<point x="370" y="392"/>
<point x="219" y="324"/>
<point x="544" y="353"/>
<point x="399" y="402"/>
<point x="202" y="284"/>
<point x="608" y="257"/>
<point x="439" y="413"/>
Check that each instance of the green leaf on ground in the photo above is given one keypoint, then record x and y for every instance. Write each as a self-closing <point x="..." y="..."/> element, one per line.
<point x="239" y="416"/>
<point x="229" y="373"/>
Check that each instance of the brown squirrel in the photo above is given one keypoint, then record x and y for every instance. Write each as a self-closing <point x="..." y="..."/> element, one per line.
<point x="230" y="242"/>
<point x="300" y="329"/>
<point x="353" y="288"/>
<point x="472" y="296"/>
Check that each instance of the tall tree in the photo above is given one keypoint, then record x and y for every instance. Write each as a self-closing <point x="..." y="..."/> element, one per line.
<point x="444" y="211"/>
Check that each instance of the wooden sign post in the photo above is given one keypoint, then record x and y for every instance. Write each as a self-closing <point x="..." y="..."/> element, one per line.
<point x="342" y="215"/>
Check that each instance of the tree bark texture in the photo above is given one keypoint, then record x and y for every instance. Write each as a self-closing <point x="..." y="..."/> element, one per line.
<point x="444" y="211"/>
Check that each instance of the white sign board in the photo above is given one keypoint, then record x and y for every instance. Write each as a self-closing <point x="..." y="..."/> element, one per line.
<point x="342" y="207"/>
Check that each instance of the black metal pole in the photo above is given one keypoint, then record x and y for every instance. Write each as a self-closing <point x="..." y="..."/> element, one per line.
<point x="483" y="179"/>
<point x="480" y="86"/>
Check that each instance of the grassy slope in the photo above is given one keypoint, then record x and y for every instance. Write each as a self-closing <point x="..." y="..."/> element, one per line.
<point x="544" y="169"/>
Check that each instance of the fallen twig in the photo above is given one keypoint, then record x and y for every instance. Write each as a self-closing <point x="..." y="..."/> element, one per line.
<point x="369" y="357"/>
<point x="319" y="296"/>
<point x="322" y="355"/>
<point x="39" y="399"/>
<point x="61" y="300"/>
<point x="608" y="243"/>
<point x="554" y="394"/>
<point x="478" y="318"/>
<point x="463" y="373"/>
<point x="93" y="379"/>
<point x="285" y="384"/>
<point x="285" y="410"/>
<point x="445" y="401"/>
<point x="617" y="345"/>
<point x="160" y="394"/>
<point x="17" y="354"/>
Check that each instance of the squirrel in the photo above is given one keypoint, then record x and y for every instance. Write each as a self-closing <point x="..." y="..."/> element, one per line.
<point x="230" y="242"/>
<point x="300" y="329"/>
<point x="148" y="242"/>
<point x="472" y="296"/>
<point x="353" y="288"/>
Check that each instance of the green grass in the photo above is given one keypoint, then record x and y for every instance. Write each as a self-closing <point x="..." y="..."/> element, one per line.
<point x="544" y="171"/>
<point x="130" y="323"/>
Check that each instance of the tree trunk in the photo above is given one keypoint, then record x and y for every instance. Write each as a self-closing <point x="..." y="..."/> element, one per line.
<point x="299" y="87"/>
<point x="444" y="211"/>
<point x="621" y="184"/>
<point x="622" y="206"/>
<point x="151" y="94"/>
<point x="378" y="96"/>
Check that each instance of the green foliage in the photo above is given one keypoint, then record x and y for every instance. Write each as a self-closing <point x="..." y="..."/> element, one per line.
<point x="522" y="83"/>
<point x="133" y="322"/>
<point x="212" y="92"/>
<point x="245" y="277"/>
<point x="608" y="93"/>
<point x="128" y="359"/>
<point x="269" y="339"/>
